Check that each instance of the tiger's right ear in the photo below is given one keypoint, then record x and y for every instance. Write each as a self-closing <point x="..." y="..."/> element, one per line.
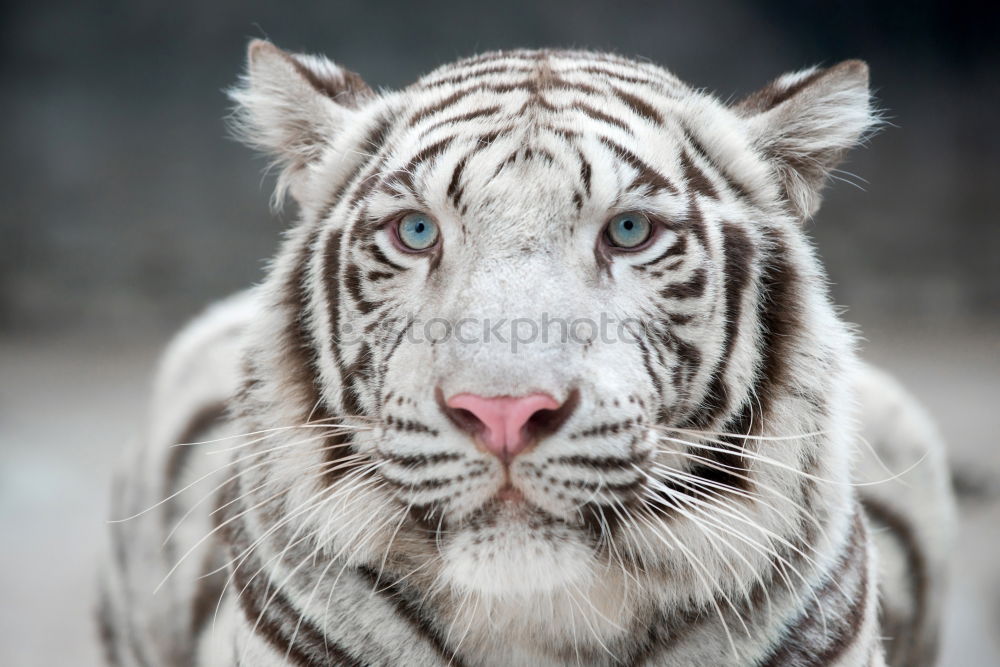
<point x="292" y="106"/>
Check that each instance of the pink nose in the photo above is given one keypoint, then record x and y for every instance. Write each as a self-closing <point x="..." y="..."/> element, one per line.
<point x="501" y="423"/>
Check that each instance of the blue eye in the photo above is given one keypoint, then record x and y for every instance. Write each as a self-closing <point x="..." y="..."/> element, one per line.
<point x="417" y="231"/>
<point x="629" y="230"/>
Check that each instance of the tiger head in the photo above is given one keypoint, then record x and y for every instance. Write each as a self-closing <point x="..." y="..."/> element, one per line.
<point x="553" y="319"/>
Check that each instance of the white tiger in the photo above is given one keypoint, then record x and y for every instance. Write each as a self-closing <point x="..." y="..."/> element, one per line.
<point x="545" y="374"/>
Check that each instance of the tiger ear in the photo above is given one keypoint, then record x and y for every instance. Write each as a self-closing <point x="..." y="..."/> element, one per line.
<point x="804" y="122"/>
<point x="292" y="106"/>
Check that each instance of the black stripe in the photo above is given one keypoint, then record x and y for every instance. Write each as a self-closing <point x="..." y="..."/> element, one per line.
<point x="597" y="462"/>
<point x="312" y="647"/>
<point x="107" y="629"/>
<point x="647" y="175"/>
<point x="654" y="377"/>
<point x="696" y="178"/>
<point x="910" y="642"/>
<point x="353" y="282"/>
<point x="624" y="78"/>
<point x="396" y="594"/>
<point x="278" y="619"/>
<point x="203" y="420"/>
<point x="409" y="425"/>
<point x="438" y="106"/>
<point x="638" y="105"/>
<point x="585" y="172"/>
<point x="563" y="132"/>
<point x="373" y="144"/>
<point x="358" y="370"/>
<point x="463" y="117"/>
<point x="738" y="253"/>
<point x="525" y="85"/>
<point x="596" y="114"/>
<point x="420" y="460"/>
<point x="333" y="445"/>
<point x="380" y="257"/>
<point x="804" y="643"/>
<point x="604" y="429"/>
<point x="474" y="73"/>
<point x="454" y="185"/>
<point x="405" y="175"/>
<point x="692" y="288"/>
<point x="774" y="94"/>
<point x="331" y="272"/>
<point x="678" y="247"/>
<point x="779" y="312"/>
<point x="706" y="157"/>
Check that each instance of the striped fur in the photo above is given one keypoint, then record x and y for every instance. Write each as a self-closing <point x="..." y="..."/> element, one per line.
<point x="696" y="507"/>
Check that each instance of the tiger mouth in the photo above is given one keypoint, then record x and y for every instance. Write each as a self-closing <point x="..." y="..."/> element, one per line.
<point x="510" y="494"/>
<point x="510" y="505"/>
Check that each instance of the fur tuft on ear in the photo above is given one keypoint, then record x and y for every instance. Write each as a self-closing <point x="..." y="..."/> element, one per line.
<point x="292" y="106"/>
<point x="805" y="121"/>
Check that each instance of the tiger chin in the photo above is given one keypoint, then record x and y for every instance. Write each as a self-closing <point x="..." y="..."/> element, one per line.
<point x="546" y="372"/>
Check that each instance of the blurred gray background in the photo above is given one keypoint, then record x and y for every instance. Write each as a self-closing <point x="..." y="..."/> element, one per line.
<point x="125" y="210"/>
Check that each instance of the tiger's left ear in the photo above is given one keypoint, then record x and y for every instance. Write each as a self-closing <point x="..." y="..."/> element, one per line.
<point x="804" y="122"/>
<point x="292" y="106"/>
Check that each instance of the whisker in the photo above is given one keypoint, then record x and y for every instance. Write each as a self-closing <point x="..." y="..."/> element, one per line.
<point x="784" y="466"/>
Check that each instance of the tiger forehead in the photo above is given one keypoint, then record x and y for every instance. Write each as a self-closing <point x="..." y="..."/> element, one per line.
<point x="549" y="68"/>
<point x="540" y="87"/>
<point x="564" y="131"/>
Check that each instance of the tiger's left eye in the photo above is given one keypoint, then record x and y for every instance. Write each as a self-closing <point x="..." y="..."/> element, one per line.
<point x="629" y="230"/>
<point x="417" y="232"/>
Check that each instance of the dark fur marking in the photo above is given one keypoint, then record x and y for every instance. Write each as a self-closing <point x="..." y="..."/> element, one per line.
<point x="585" y="172"/>
<point x="380" y="257"/>
<point x="454" y="192"/>
<point x="773" y="94"/>
<point x="202" y="421"/>
<point x="638" y="105"/>
<point x="798" y="646"/>
<point x="408" y="607"/>
<point x="624" y="78"/>
<point x="473" y="73"/>
<point x="418" y="460"/>
<point x="703" y="153"/>
<point x="696" y="178"/>
<point x="910" y="641"/>
<point x="334" y="445"/>
<point x="349" y="91"/>
<point x="463" y="118"/>
<point x="353" y="282"/>
<point x="693" y="288"/>
<point x="647" y="175"/>
<point x="739" y="253"/>
<point x="590" y="111"/>
<point x="678" y="247"/>
<point x="262" y="600"/>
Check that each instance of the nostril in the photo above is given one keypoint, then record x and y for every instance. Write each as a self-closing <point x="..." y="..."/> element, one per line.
<point x="465" y="420"/>
<point x="546" y="422"/>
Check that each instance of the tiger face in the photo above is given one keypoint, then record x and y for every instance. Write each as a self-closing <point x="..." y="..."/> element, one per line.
<point x="561" y="309"/>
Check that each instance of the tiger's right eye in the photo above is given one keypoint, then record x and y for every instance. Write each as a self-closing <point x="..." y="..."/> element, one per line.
<point x="417" y="232"/>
